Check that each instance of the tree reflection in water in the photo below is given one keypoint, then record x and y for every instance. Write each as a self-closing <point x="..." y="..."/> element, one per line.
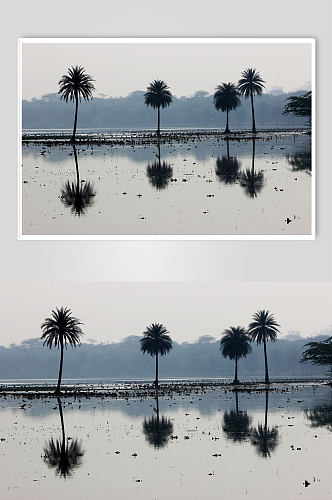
<point x="320" y="416"/>
<point x="157" y="430"/>
<point x="78" y="195"/>
<point x="159" y="173"/>
<point x="236" y="423"/>
<point x="300" y="161"/>
<point x="63" y="455"/>
<point x="252" y="181"/>
<point x="227" y="167"/>
<point x="265" y="439"/>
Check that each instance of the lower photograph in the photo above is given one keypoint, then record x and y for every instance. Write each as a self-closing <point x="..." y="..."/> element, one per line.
<point x="159" y="390"/>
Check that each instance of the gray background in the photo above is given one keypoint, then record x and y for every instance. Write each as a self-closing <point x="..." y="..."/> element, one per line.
<point x="169" y="260"/>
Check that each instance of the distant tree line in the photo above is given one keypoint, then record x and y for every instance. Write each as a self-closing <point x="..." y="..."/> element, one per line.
<point x="194" y="111"/>
<point x="124" y="360"/>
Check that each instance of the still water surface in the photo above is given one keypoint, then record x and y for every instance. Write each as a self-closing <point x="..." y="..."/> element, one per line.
<point x="191" y="187"/>
<point x="207" y="444"/>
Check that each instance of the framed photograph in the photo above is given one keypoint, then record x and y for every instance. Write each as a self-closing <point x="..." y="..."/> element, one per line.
<point x="177" y="138"/>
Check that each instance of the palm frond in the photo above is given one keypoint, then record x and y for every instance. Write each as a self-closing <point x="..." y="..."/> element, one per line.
<point x="263" y="327"/>
<point x="251" y="83"/>
<point x="61" y="327"/>
<point x="156" y="340"/>
<point x="226" y="97"/>
<point x="158" y="94"/>
<point x="235" y="343"/>
<point x="76" y="83"/>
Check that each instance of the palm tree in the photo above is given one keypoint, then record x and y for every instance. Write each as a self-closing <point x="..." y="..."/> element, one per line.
<point x="264" y="328"/>
<point x="156" y="341"/>
<point x="235" y="344"/>
<point x="159" y="173"/>
<point x="264" y="438"/>
<point x="75" y="86"/>
<point x="226" y="98"/>
<point x="227" y="167"/>
<point x="157" y="430"/>
<point x="61" y="455"/>
<point x="249" y="85"/>
<point x="250" y="180"/>
<point x="61" y="329"/>
<point x="80" y="195"/>
<point x="158" y="96"/>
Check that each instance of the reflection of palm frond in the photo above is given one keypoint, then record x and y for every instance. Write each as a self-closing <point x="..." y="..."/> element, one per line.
<point x="300" y="161"/>
<point x="264" y="439"/>
<point x="159" y="174"/>
<point x="78" y="197"/>
<point x="227" y="169"/>
<point x="63" y="457"/>
<point x="320" y="416"/>
<point x="236" y="425"/>
<point x="252" y="182"/>
<point x="157" y="431"/>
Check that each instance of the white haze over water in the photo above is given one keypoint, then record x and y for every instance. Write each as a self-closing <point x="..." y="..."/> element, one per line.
<point x="113" y="311"/>
<point x="121" y="68"/>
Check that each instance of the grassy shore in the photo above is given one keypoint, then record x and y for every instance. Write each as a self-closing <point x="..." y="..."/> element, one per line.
<point x="145" y="389"/>
<point x="141" y="138"/>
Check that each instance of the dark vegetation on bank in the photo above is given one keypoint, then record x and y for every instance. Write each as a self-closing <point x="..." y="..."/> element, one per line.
<point x="124" y="360"/>
<point x="196" y="111"/>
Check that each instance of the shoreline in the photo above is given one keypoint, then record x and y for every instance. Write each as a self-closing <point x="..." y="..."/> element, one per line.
<point x="143" y="138"/>
<point x="141" y="390"/>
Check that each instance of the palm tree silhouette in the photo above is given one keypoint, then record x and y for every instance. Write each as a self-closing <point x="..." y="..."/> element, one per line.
<point x="75" y="86"/>
<point x="156" y="341"/>
<point x="227" y="167"/>
<point x="252" y="181"/>
<point x="264" y="438"/>
<point x="264" y="328"/>
<point x="226" y="98"/>
<point x="80" y="195"/>
<point x="157" y="430"/>
<point x="61" y="329"/>
<point x="249" y="85"/>
<point x="159" y="173"/>
<point x="63" y="455"/>
<point x="158" y="96"/>
<point x="235" y="344"/>
<point x="236" y="423"/>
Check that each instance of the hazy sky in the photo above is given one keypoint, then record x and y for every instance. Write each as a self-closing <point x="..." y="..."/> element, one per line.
<point x="120" y="68"/>
<point x="112" y="311"/>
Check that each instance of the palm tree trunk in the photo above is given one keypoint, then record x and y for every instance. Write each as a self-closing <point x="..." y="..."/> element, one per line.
<point x="267" y="380"/>
<point x="158" y="131"/>
<point x="226" y="129"/>
<point x="237" y="401"/>
<point x="253" y="114"/>
<point x="236" y="381"/>
<point x="227" y="144"/>
<point x="60" y="368"/>
<point x="72" y="140"/>
<point x="156" y="379"/>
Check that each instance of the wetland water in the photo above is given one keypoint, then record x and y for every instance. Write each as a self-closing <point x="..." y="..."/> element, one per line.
<point x="198" y="185"/>
<point x="208" y="442"/>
